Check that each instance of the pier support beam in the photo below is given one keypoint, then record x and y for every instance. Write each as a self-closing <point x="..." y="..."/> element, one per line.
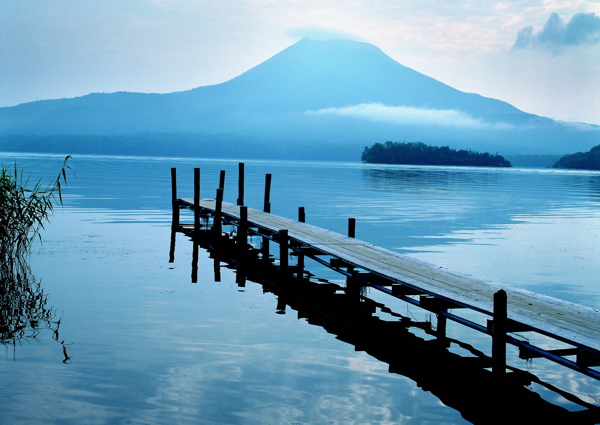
<point x="217" y="225"/>
<point x="499" y="326"/>
<point x="242" y="233"/>
<point x="283" y="250"/>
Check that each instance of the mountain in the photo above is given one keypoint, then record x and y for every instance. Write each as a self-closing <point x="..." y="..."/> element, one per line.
<point x="314" y="98"/>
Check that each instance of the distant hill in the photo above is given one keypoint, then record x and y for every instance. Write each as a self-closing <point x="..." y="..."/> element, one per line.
<point x="581" y="160"/>
<point x="322" y="97"/>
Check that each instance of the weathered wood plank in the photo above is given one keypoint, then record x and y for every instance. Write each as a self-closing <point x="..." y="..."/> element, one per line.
<point x="561" y="318"/>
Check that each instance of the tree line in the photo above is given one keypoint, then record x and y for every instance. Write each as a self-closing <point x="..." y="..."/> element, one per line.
<point x="581" y="160"/>
<point x="421" y="154"/>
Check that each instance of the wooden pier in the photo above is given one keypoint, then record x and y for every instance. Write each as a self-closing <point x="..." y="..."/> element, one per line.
<point x="508" y="310"/>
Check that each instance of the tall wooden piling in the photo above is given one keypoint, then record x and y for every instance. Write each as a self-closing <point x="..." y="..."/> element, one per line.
<point x="175" y="215"/>
<point x="351" y="227"/>
<point x="240" y="199"/>
<point x="242" y="235"/>
<point x="222" y="180"/>
<point x="499" y="327"/>
<point x="218" y="212"/>
<point x="196" y="201"/>
<point x="267" y="206"/>
<point x="300" y="258"/>
<point x="174" y="201"/>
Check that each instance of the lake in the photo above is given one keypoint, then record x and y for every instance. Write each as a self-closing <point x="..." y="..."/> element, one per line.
<point x="132" y="340"/>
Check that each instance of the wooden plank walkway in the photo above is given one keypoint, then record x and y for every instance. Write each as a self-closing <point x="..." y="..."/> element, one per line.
<point x="576" y="324"/>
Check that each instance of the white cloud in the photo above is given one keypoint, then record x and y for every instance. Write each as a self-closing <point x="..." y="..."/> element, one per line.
<point x="582" y="29"/>
<point x="409" y="115"/>
<point x="323" y="33"/>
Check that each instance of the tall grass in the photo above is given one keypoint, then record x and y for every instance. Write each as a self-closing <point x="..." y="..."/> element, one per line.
<point x="24" y="209"/>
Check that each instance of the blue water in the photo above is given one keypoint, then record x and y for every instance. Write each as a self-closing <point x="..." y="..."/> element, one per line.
<point x="146" y="345"/>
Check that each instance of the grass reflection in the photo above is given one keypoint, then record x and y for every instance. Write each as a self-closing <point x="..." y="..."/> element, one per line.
<point x="24" y="312"/>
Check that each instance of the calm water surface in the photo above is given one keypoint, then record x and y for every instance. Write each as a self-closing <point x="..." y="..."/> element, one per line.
<point x="139" y="343"/>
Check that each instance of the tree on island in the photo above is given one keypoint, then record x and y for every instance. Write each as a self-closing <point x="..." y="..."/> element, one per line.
<point x="581" y="160"/>
<point x="422" y="154"/>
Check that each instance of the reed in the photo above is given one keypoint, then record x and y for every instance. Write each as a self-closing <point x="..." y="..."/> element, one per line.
<point x="24" y="209"/>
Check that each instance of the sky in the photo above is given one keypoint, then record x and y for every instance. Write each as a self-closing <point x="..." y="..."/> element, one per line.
<point x="542" y="56"/>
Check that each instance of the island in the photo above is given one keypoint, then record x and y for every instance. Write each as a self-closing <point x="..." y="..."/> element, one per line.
<point x="581" y="160"/>
<point x="421" y="154"/>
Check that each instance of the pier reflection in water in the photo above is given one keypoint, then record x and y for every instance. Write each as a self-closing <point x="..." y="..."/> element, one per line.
<point x="463" y="382"/>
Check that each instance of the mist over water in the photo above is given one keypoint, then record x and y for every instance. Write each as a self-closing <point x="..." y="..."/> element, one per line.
<point x="148" y="346"/>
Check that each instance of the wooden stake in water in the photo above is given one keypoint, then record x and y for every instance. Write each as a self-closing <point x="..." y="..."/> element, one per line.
<point x="196" y="201"/>
<point x="267" y="207"/>
<point x="174" y="202"/>
<point x="218" y="212"/>
<point x="240" y="200"/>
<point x="222" y="180"/>
<point x="351" y="227"/>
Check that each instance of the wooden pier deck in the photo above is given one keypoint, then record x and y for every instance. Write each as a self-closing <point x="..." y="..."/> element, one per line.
<point x="504" y="312"/>
<point x="576" y="324"/>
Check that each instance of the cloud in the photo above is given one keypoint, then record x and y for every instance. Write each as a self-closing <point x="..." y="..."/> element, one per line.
<point x="409" y="115"/>
<point x="582" y="29"/>
<point x="322" y="33"/>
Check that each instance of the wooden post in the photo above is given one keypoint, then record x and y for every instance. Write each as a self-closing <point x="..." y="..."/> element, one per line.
<point x="301" y="219"/>
<point x="222" y="180"/>
<point x="267" y="207"/>
<point x="499" y="327"/>
<point x="242" y="245"/>
<point x="196" y="202"/>
<point x="240" y="200"/>
<point x="441" y="326"/>
<point x="265" y="250"/>
<point x="243" y="229"/>
<point x="283" y="250"/>
<point x="218" y="209"/>
<point x="174" y="202"/>
<point x="351" y="227"/>
<point x="175" y="216"/>
<point x="300" y="260"/>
